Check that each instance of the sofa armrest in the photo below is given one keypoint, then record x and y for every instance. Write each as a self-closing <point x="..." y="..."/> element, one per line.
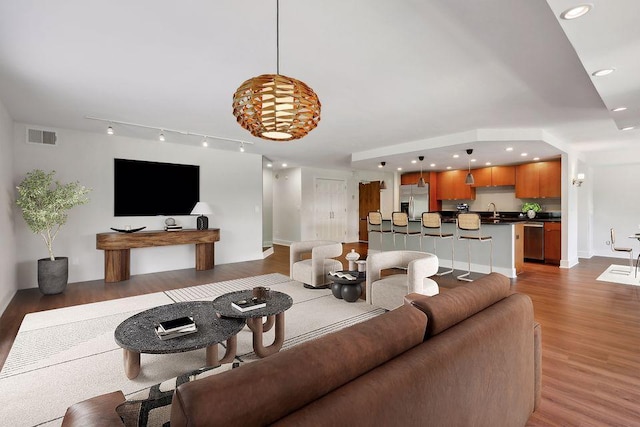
<point x="99" y="411"/>
<point x="537" y="363"/>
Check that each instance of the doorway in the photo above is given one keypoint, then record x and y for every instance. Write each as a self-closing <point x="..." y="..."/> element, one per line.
<point x="369" y="201"/>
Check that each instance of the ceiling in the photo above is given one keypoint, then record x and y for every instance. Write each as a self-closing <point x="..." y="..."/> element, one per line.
<point x="396" y="79"/>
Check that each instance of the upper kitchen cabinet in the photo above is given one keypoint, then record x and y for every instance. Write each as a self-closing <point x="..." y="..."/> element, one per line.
<point x="550" y="179"/>
<point x="503" y="175"/>
<point x="538" y="180"/>
<point x="411" y="178"/>
<point x="451" y="186"/>
<point x="494" y="176"/>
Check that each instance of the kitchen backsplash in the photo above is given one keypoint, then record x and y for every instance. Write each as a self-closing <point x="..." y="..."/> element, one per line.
<point x="504" y="198"/>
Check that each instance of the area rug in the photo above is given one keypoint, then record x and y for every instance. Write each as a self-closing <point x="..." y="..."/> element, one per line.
<point x="617" y="274"/>
<point x="63" y="356"/>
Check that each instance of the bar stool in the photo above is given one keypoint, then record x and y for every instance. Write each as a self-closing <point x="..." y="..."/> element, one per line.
<point x="375" y="224"/>
<point x="628" y="250"/>
<point x="432" y="227"/>
<point x="468" y="228"/>
<point x="400" y="225"/>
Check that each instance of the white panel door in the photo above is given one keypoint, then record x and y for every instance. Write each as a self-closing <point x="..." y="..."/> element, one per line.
<point x="331" y="209"/>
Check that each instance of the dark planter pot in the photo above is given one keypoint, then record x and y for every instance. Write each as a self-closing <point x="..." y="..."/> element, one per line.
<point x="53" y="275"/>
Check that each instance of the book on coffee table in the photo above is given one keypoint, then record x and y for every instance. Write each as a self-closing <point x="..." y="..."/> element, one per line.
<point x="177" y="324"/>
<point x="248" y="304"/>
<point x="175" y="333"/>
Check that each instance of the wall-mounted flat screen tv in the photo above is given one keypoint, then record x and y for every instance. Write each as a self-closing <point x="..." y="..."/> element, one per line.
<point x="151" y="188"/>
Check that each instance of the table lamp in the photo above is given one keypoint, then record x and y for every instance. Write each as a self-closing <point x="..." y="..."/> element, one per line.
<point x="202" y="209"/>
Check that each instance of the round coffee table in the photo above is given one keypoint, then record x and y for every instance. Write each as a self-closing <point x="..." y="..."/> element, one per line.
<point x="277" y="304"/>
<point x="137" y="334"/>
<point x="348" y="290"/>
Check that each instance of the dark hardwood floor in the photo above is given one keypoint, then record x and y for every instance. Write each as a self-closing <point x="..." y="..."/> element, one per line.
<point x="590" y="329"/>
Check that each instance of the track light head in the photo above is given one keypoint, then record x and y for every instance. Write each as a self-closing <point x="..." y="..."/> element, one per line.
<point x="421" y="158"/>
<point x="469" y="151"/>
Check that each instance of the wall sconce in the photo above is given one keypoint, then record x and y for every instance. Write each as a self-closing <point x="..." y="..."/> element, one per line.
<point x="579" y="180"/>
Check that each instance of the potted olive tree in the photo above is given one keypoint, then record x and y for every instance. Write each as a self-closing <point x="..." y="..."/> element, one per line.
<point x="44" y="205"/>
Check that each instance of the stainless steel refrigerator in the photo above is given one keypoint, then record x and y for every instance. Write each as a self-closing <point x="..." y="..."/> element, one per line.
<point x="414" y="200"/>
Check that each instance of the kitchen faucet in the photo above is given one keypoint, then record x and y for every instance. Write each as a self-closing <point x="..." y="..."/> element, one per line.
<point x="495" y="210"/>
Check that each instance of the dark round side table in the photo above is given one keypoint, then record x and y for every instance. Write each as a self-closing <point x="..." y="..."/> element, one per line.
<point x="346" y="289"/>
<point x="277" y="304"/>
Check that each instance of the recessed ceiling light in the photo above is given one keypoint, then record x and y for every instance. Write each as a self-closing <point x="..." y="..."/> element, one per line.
<point x="455" y="156"/>
<point x="433" y="165"/>
<point x="399" y="169"/>
<point x="284" y="165"/>
<point x="628" y="128"/>
<point x="488" y="164"/>
<point x="603" y="72"/>
<point x="473" y="160"/>
<point x="448" y="167"/>
<point x="205" y="143"/>
<point x="414" y="161"/>
<point x="536" y="158"/>
<point x="524" y="154"/>
<point x="615" y="110"/>
<point x="269" y="165"/>
<point x="576" y="11"/>
<point x="508" y="149"/>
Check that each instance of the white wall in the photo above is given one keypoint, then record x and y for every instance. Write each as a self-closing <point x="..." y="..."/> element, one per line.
<point x="615" y="205"/>
<point x="267" y="207"/>
<point x="287" y="199"/>
<point x="8" y="278"/>
<point x="231" y="182"/>
<point x="294" y="201"/>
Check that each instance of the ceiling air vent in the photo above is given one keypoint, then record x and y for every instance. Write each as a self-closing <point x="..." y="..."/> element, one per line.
<point x="37" y="136"/>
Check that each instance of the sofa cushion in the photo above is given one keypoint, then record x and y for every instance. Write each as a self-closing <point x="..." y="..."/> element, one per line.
<point x="449" y="308"/>
<point x="152" y="406"/>
<point x="268" y="389"/>
<point x="303" y="271"/>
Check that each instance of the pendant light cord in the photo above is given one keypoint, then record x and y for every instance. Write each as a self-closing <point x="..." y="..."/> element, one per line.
<point x="277" y="36"/>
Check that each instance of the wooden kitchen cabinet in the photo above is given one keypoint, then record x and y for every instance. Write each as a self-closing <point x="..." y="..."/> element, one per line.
<point x="410" y="178"/>
<point x="528" y="181"/>
<point x="494" y="176"/>
<point x="550" y="179"/>
<point x="482" y="177"/>
<point x="552" y="242"/>
<point x="503" y="175"/>
<point x="451" y="186"/>
<point x="539" y="180"/>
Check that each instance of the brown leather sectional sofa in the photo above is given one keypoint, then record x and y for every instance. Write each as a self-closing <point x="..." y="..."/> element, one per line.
<point x="468" y="356"/>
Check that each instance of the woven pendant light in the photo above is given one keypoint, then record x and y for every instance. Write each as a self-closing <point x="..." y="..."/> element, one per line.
<point x="276" y="107"/>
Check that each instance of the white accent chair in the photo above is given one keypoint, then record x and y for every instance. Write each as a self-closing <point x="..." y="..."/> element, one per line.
<point x="312" y="272"/>
<point x="389" y="291"/>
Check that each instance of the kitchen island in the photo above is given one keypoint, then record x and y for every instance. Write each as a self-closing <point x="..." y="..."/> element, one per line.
<point x="507" y="239"/>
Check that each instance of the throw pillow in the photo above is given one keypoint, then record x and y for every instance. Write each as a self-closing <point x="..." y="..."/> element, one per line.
<point x="152" y="406"/>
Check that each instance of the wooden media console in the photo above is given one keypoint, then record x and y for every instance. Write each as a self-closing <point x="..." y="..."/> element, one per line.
<point x="117" y="248"/>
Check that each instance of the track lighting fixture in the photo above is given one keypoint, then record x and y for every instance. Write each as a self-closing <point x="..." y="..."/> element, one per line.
<point x="242" y="147"/>
<point x="162" y="130"/>
<point x="469" y="179"/>
<point x="381" y="165"/>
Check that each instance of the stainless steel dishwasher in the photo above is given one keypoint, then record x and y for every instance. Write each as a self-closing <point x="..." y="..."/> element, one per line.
<point x="534" y="241"/>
